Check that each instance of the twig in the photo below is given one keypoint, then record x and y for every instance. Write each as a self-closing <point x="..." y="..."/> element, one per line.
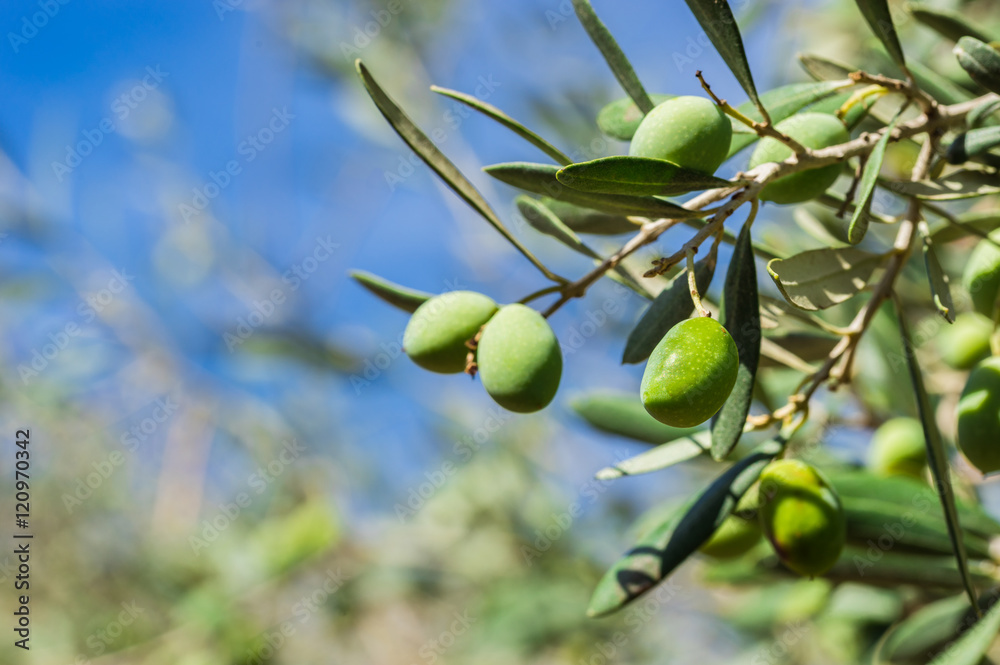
<point x="908" y="88"/>
<point x="693" y="284"/>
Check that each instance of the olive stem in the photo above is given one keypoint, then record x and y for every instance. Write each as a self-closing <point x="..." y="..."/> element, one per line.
<point x="538" y="294"/>
<point x="693" y="284"/>
<point x="927" y="103"/>
<point x="858" y="97"/>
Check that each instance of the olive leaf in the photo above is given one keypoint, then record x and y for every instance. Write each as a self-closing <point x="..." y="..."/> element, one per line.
<point x="980" y="61"/>
<point x="493" y="112"/>
<point x="613" y="54"/>
<point x="545" y="221"/>
<point x="781" y="103"/>
<point x="970" y="648"/>
<point x="741" y="317"/>
<point x="624" y="415"/>
<point x="970" y="223"/>
<point x="541" y="179"/>
<point x="620" y="118"/>
<point x="866" y="187"/>
<point x="717" y="20"/>
<point x="939" y="282"/>
<point x="656" y="555"/>
<point x="879" y="18"/>
<point x="587" y="220"/>
<point x="961" y="184"/>
<point x="824" y="69"/>
<point x="405" y="299"/>
<point x="440" y="164"/>
<point x="936" y="457"/>
<point x="981" y="114"/>
<point x="671" y="306"/>
<point x="821" y="278"/>
<point x="639" y="176"/>
<point x="661" y="457"/>
<point x="950" y="25"/>
<point x="972" y="143"/>
<point x="937" y="86"/>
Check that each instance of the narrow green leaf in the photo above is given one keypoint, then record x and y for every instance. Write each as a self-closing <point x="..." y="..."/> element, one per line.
<point x="876" y="13"/>
<point x="621" y="118"/>
<point x="866" y="187"/>
<point x="946" y="23"/>
<point x="970" y="223"/>
<point x="440" y="164"/>
<point x="505" y="120"/>
<point x="981" y="114"/>
<point x="824" y="69"/>
<point x="980" y="61"/>
<point x="781" y="103"/>
<point x="970" y="648"/>
<point x="717" y="20"/>
<point x="405" y="299"/>
<point x="541" y="179"/>
<point x="936" y="456"/>
<point x="822" y="278"/>
<point x="545" y="221"/>
<point x="613" y="54"/>
<point x="937" y="86"/>
<point x="962" y="184"/>
<point x="622" y="414"/>
<point x="587" y="220"/>
<point x="923" y="632"/>
<point x="741" y="317"/>
<point x="972" y="143"/>
<point x="939" y="283"/>
<point x="656" y="555"/>
<point x="638" y="176"/>
<point x="671" y="306"/>
<point x="661" y="457"/>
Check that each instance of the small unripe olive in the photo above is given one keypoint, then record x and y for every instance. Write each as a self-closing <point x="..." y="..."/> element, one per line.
<point x="966" y="341"/>
<point x="690" y="373"/>
<point x="813" y="130"/>
<point x="437" y="332"/>
<point x="979" y="416"/>
<point x="735" y="537"/>
<point x="689" y="131"/>
<point x="981" y="277"/>
<point x="519" y="359"/>
<point x="801" y="516"/>
<point x="898" y="448"/>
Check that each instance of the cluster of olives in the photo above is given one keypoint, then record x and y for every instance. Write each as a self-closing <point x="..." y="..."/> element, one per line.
<point x="694" y="132"/>
<point x="979" y="406"/>
<point x="517" y="355"/>
<point x="799" y="513"/>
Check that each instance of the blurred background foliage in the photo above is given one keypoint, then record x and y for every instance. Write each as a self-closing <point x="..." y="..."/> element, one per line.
<point x="231" y="461"/>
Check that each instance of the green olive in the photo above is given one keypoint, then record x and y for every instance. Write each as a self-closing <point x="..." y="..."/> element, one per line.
<point x="690" y="373"/>
<point x="982" y="275"/>
<point x="519" y="359"/>
<point x="802" y="517"/>
<point x="898" y="448"/>
<point x="966" y="341"/>
<point x="689" y="131"/>
<point x="437" y="332"/>
<point x="979" y="416"/>
<point x="813" y="130"/>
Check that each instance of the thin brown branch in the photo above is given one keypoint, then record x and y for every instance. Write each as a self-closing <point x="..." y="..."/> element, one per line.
<point x="907" y="88"/>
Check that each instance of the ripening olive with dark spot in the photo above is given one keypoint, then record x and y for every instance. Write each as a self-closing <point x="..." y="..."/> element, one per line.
<point x="898" y="448"/>
<point x="979" y="416"/>
<point x="966" y="341"/>
<point x="801" y="516"/>
<point x="519" y="359"/>
<point x="813" y="130"/>
<point x="690" y="373"/>
<point x="981" y="277"/>
<point x="437" y="332"/>
<point x="689" y="131"/>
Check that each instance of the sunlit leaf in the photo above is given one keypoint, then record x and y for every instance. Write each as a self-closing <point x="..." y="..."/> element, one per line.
<point x="866" y="187"/>
<point x="822" y="278"/>
<point x="405" y="299"/>
<point x="980" y="61"/>
<point x="962" y="184"/>
<point x="879" y="18"/>
<point x="968" y="224"/>
<point x="939" y="283"/>
<point x="639" y="176"/>
<point x="824" y="69"/>
<point x="588" y="220"/>
<point x="658" y="458"/>
<point x="981" y="114"/>
<point x="972" y="143"/>
<point x="970" y="648"/>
